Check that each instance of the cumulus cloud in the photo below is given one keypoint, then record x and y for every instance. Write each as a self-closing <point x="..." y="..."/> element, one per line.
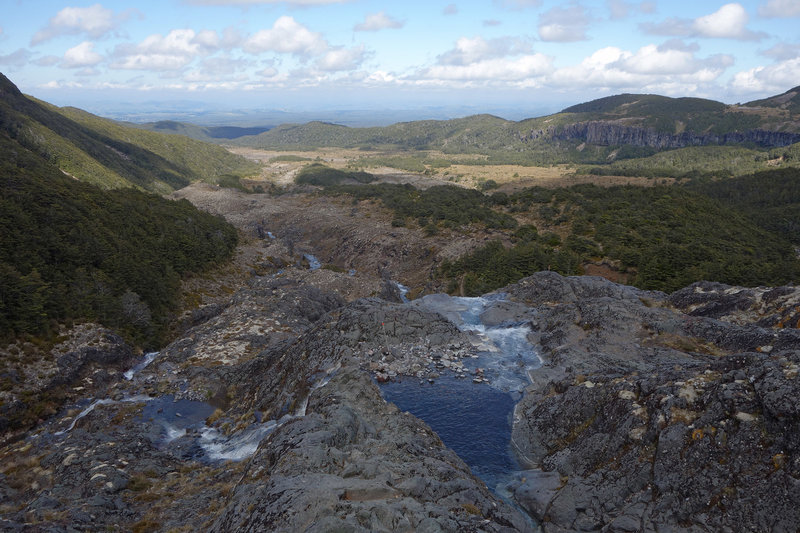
<point x="470" y="50"/>
<point x="302" y="3"/>
<point x="517" y="4"/>
<point x="18" y="58"/>
<point x="564" y="24"/>
<point x="173" y="51"/>
<point x="779" y="9"/>
<point x="728" y="22"/>
<point x="95" y="21"/>
<point x="286" y="36"/>
<point x="620" y="9"/>
<point x="81" y="56"/>
<point x="496" y="69"/>
<point x="449" y="9"/>
<point x="378" y="21"/>
<point x="672" y="69"/>
<point x="768" y="79"/>
<point x="48" y="61"/>
<point x="340" y="59"/>
<point x="782" y="51"/>
<point x="665" y="61"/>
<point x="216" y="68"/>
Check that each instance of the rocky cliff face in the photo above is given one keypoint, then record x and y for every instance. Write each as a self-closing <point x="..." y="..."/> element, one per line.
<point x="651" y="412"/>
<point x="645" y="417"/>
<point x="606" y="133"/>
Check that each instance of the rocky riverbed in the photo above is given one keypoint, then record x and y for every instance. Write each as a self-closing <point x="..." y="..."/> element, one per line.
<point x="635" y="410"/>
<point x="649" y="412"/>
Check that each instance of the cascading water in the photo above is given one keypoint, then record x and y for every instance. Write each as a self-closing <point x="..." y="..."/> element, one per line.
<point x="474" y="419"/>
<point x="313" y="262"/>
<point x="183" y="422"/>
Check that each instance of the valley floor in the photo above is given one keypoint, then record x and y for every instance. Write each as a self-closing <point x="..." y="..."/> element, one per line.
<point x="650" y="412"/>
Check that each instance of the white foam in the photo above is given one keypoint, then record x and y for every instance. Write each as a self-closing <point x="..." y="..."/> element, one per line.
<point x="148" y="358"/>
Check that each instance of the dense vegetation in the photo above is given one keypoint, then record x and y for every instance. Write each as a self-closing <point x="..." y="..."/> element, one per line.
<point x="106" y="153"/>
<point x="70" y="251"/>
<point x="771" y="199"/>
<point x="445" y="205"/>
<point x="494" y="265"/>
<point x="698" y="160"/>
<point x="322" y="176"/>
<point x="666" y="237"/>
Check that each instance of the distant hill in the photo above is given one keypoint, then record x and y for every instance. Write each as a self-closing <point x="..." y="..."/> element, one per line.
<point x="214" y="134"/>
<point x="788" y="101"/>
<point x="106" y="153"/>
<point x="591" y="132"/>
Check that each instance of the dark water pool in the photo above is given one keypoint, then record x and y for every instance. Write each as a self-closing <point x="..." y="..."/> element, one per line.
<point x="473" y="420"/>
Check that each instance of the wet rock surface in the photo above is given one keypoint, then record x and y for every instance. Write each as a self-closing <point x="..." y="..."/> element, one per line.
<point x="262" y="416"/>
<point x="650" y="412"/>
<point x="37" y="381"/>
<point x="646" y="418"/>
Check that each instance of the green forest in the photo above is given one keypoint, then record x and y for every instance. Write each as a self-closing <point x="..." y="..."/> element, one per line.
<point x="70" y="251"/>
<point x="739" y="231"/>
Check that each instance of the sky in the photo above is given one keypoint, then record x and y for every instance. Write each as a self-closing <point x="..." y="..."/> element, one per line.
<point x="537" y="55"/>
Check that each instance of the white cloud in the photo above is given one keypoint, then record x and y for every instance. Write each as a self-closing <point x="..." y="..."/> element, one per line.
<point x="303" y="3"/>
<point x="48" y="61"/>
<point x="489" y="23"/>
<point x="378" y="21"/>
<point x="471" y="50"/>
<point x="173" y="51"/>
<point x="620" y="9"/>
<point x="662" y="61"/>
<point x="666" y="69"/>
<point x="18" y="58"/>
<point x="286" y="36"/>
<point x="728" y="22"/>
<point x="340" y="59"/>
<point x="81" y="56"/>
<point x="779" y="9"/>
<point x="497" y="69"/>
<point x="564" y="24"/>
<point x="449" y="9"/>
<point x="518" y="4"/>
<point x="207" y="39"/>
<point x="225" y="68"/>
<point x="783" y="51"/>
<point x="95" y="21"/>
<point x="770" y="79"/>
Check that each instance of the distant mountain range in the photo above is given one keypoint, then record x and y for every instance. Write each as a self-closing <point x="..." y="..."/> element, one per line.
<point x="588" y="132"/>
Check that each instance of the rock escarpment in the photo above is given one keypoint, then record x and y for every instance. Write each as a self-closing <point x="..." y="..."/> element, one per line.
<point x="645" y="418"/>
<point x="607" y="133"/>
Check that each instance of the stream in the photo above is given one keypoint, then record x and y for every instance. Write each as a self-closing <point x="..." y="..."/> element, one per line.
<point x="180" y="424"/>
<point x="475" y="420"/>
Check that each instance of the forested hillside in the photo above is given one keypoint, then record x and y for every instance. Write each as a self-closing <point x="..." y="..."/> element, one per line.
<point x="70" y="251"/>
<point x="107" y="154"/>
<point x="738" y="231"/>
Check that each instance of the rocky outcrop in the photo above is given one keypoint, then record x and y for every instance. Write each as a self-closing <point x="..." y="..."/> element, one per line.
<point x="645" y="418"/>
<point x="328" y="453"/>
<point x="36" y="382"/>
<point x="355" y="463"/>
<point x="605" y="133"/>
<point x="651" y="412"/>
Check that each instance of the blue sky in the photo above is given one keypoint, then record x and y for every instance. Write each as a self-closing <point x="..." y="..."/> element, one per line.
<point x="365" y="54"/>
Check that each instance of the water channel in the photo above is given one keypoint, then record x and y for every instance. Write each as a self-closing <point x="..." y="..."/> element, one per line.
<point x="475" y="420"/>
